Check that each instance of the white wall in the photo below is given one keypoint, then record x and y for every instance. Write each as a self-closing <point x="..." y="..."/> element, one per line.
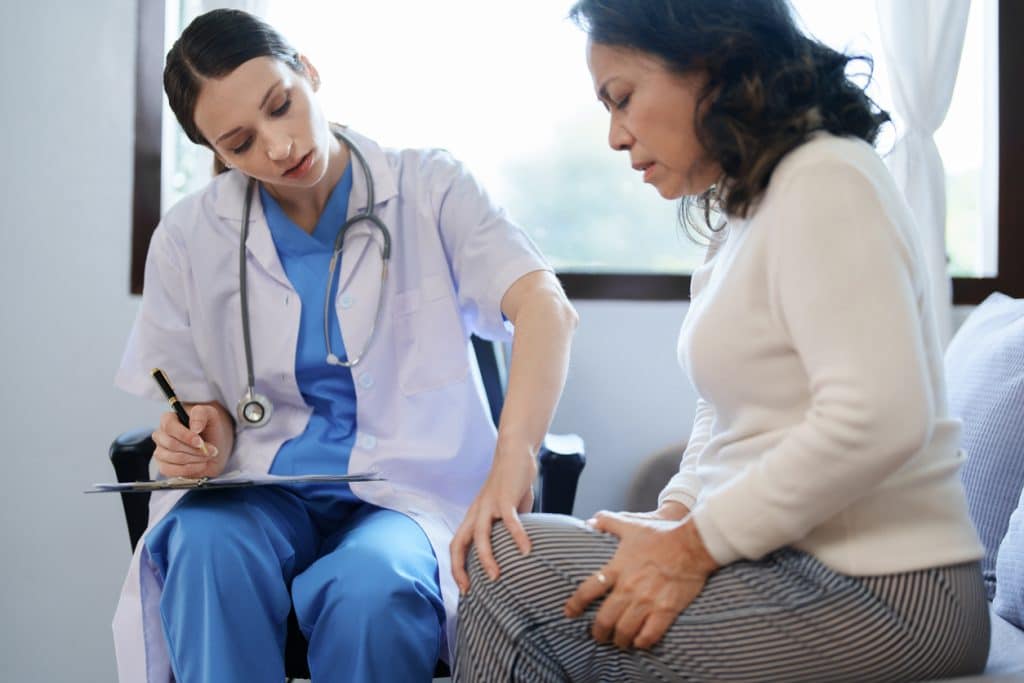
<point x="65" y="190"/>
<point x="626" y="394"/>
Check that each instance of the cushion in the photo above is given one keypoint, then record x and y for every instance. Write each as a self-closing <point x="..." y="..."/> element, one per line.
<point x="985" y="382"/>
<point x="651" y="476"/>
<point x="1008" y="602"/>
<point x="1006" y="652"/>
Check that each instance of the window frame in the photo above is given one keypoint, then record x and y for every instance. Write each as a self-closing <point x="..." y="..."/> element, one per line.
<point x="608" y="286"/>
<point x="149" y="94"/>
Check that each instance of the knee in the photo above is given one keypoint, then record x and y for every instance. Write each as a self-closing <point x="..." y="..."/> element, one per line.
<point x="192" y="537"/>
<point x="368" y="586"/>
<point x="188" y="533"/>
<point x="502" y="547"/>
<point x="551" y="539"/>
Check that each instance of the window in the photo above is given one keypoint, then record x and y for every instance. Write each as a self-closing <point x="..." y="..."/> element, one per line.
<point x="966" y="139"/>
<point x="515" y="102"/>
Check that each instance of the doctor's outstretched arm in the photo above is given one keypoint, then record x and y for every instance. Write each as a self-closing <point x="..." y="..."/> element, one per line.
<point x="544" y="323"/>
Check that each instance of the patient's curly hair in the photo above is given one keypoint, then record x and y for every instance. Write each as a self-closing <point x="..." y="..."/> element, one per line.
<point x="769" y="85"/>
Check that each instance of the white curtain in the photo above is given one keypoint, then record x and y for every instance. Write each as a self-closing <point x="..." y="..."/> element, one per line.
<point x="922" y="40"/>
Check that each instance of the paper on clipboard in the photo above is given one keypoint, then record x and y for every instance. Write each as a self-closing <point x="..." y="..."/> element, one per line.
<point x="233" y="479"/>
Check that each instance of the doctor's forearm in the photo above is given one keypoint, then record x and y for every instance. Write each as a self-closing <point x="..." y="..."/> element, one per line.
<point x="544" y="325"/>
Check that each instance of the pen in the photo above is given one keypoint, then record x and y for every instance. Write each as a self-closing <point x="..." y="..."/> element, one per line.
<point x="172" y="398"/>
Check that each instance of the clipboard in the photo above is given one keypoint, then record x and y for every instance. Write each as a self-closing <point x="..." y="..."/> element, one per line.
<point x="233" y="479"/>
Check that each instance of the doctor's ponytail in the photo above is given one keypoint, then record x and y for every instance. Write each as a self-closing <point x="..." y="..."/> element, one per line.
<point x="212" y="46"/>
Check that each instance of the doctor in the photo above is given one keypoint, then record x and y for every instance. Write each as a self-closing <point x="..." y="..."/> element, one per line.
<point x="349" y="365"/>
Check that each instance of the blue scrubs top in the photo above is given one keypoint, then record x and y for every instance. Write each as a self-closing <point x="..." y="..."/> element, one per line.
<point x="326" y="444"/>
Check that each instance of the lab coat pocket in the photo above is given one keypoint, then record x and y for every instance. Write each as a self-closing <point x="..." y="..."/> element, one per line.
<point x="430" y="343"/>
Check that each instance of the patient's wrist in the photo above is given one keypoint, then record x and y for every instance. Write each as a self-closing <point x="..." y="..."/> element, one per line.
<point x="672" y="510"/>
<point x="689" y="537"/>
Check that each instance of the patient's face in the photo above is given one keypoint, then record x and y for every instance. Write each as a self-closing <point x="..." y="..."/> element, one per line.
<point x="263" y="119"/>
<point x="652" y="117"/>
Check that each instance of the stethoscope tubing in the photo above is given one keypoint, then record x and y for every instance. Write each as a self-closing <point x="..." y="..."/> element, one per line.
<point x="254" y="410"/>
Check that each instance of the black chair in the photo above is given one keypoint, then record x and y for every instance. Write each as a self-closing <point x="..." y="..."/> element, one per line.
<point x="560" y="462"/>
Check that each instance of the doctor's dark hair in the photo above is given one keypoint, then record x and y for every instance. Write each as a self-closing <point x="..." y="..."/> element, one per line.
<point x="769" y="85"/>
<point x="212" y="46"/>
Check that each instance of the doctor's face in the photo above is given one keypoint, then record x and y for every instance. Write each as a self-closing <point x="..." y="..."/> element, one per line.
<point x="262" y="119"/>
<point x="653" y="114"/>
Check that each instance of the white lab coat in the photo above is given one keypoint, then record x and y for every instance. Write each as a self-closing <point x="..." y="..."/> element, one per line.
<point x="421" y="413"/>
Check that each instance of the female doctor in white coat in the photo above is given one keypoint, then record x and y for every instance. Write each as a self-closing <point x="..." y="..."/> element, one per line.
<point x="383" y="382"/>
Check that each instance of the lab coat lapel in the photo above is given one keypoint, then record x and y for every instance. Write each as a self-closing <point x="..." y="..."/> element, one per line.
<point x="385" y="184"/>
<point x="230" y="203"/>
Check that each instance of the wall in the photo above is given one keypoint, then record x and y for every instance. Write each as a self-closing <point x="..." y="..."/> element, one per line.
<point x="65" y="188"/>
<point x="626" y="394"/>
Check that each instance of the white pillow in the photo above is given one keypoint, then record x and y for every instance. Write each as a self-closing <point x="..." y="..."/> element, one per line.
<point x="985" y="383"/>
<point x="1009" y="600"/>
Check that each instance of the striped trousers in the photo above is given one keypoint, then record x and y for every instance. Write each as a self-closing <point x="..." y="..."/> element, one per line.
<point x="786" y="617"/>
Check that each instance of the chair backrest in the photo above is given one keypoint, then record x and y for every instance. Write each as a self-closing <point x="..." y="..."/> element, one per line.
<point x="130" y="454"/>
<point x="490" y="358"/>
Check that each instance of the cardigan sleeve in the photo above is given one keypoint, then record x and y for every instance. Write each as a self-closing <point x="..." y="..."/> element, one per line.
<point x="684" y="486"/>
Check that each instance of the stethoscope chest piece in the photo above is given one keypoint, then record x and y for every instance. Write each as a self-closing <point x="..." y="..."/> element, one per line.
<point x="254" y="410"/>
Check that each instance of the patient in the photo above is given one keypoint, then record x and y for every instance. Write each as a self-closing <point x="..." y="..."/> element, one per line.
<point x="817" y="528"/>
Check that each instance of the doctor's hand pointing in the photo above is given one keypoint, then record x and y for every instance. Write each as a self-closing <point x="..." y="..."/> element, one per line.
<point x="544" y="323"/>
<point x="507" y="492"/>
<point x="179" y="449"/>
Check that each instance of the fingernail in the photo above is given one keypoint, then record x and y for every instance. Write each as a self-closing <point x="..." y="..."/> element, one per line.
<point x="493" y="575"/>
<point x="197" y="442"/>
<point x="592" y="521"/>
<point x="212" y="451"/>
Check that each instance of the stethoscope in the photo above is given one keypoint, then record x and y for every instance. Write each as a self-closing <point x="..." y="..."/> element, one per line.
<point x="254" y="410"/>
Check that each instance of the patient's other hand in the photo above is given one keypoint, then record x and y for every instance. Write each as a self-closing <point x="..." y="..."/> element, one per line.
<point x="670" y="510"/>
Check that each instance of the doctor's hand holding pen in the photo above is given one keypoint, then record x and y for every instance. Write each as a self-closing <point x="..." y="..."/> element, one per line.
<point x="180" y="450"/>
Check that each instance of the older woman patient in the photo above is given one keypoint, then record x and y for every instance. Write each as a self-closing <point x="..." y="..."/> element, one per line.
<point x="817" y="528"/>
